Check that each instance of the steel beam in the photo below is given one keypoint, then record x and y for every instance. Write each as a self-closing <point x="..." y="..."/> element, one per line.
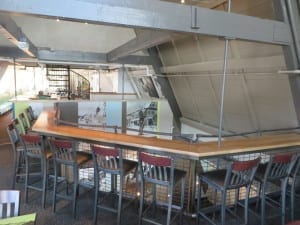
<point x="14" y="34"/>
<point x="91" y="57"/>
<point x="261" y="63"/>
<point x="74" y="57"/>
<point x="154" y="14"/>
<point x="12" y="52"/>
<point x="166" y="88"/>
<point x="145" y="39"/>
<point x="290" y="52"/>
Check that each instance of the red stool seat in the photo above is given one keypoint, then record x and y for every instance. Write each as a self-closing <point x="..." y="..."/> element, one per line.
<point x="296" y="222"/>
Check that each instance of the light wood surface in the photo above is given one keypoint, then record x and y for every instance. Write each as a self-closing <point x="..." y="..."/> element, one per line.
<point x="45" y="125"/>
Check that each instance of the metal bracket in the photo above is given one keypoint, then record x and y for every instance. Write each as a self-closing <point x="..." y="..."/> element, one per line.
<point x="194" y="17"/>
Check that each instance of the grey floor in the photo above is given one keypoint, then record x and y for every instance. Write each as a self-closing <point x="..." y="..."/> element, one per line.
<point x="84" y="206"/>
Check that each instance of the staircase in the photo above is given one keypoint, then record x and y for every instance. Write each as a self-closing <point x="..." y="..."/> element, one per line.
<point x="66" y="82"/>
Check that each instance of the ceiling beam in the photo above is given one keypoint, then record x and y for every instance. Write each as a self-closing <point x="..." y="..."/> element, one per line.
<point x="10" y="30"/>
<point x="145" y="39"/>
<point x="156" y="15"/>
<point x="166" y="88"/>
<point x="211" y="4"/>
<point x="12" y="52"/>
<point x="261" y="64"/>
<point x="91" y="57"/>
<point x="75" y="57"/>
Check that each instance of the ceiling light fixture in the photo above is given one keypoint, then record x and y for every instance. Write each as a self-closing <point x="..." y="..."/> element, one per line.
<point x="289" y="71"/>
<point x="182" y="1"/>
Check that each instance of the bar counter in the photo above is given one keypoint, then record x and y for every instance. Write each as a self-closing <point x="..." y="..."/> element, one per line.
<point x="46" y="125"/>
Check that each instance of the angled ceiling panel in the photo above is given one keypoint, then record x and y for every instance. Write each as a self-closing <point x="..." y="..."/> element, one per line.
<point x="168" y="54"/>
<point x="237" y="115"/>
<point x="259" y="8"/>
<point x="180" y="85"/>
<point x="213" y="48"/>
<point x="255" y="49"/>
<point x="273" y="100"/>
<point x="188" y="49"/>
<point x="205" y="99"/>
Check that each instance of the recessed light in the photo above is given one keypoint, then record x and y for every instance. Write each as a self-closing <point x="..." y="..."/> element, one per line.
<point x="182" y="1"/>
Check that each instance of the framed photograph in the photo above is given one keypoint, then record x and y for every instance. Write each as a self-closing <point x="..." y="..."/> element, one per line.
<point x="146" y="87"/>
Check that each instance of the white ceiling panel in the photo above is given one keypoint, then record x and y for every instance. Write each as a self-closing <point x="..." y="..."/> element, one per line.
<point x="5" y="42"/>
<point x="73" y="36"/>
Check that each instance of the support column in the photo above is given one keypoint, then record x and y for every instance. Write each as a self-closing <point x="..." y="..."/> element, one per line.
<point x="288" y="11"/>
<point x="166" y="89"/>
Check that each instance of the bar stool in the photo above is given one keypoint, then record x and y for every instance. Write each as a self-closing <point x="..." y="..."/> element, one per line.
<point x="239" y="174"/>
<point x="275" y="172"/>
<point x="110" y="161"/>
<point x="18" y="152"/>
<point x="17" y="125"/>
<point x="160" y="171"/>
<point x="24" y="123"/>
<point x="35" y="149"/>
<point x="65" y="154"/>
<point x="30" y="115"/>
<point x="292" y="185"/>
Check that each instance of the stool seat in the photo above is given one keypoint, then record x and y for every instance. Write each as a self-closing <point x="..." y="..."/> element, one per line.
<point x="295" y="222"/>
<point x="128" y="166"/>
<point x="48" y="153"/>
<point x="83" y="157"/>
<point x="215" y="177"/>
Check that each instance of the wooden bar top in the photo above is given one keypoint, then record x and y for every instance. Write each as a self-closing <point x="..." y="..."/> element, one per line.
<point x="45" y="125"/>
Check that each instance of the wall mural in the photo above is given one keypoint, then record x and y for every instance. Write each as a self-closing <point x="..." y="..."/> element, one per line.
<point x="100" y="115"/>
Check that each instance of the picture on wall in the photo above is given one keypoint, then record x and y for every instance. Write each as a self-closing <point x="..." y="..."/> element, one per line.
<point x="93" y="113"/>
<point x="142" y="116"/>
<point x="146" y="87"/>
<point x="100" y="115"/>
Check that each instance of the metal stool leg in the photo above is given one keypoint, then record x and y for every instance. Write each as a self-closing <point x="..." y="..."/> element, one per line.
<point x="223" y="207"/>
<point x="44" y="174"/>
<point x="97" y="180"/>
<point x="292" y="199"/>
<point x="75" y="191"/>
<point x="26" y="179"/>
<point x="263" y="206"/>
<point x="120" y="200"/>
<point x="170" y="194"/>
<point x="182" y="200"/>
<point x="141" y="202"/>
<point x="54" y="187"/>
